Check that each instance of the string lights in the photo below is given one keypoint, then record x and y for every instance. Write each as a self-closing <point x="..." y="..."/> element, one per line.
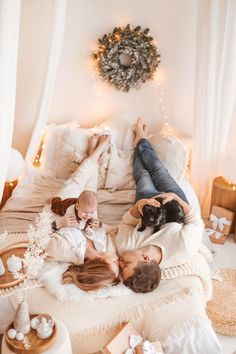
<point x="166" y="127"/>
<point x="37" y="162"/>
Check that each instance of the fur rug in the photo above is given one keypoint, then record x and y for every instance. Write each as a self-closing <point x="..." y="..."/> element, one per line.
<point x="50" y="278"/>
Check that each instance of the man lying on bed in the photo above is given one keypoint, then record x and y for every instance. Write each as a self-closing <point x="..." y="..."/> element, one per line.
<point x="143" y="253"/>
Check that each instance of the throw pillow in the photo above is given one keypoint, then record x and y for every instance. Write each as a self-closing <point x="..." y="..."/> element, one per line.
<point x="173" y="153"/>
<point x="120" y="170"/>
<point x="51" y="138"/>
<point x="72" y="141"/>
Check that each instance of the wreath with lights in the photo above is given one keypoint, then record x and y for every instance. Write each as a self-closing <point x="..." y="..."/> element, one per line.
<point x="126" y="58"/>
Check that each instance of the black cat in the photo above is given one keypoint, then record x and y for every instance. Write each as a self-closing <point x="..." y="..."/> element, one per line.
<point x="158" y="216"/>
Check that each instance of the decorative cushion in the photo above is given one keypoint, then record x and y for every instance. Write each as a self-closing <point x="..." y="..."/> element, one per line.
<point x="121" y="128"/>
<point x="72" y="141"/>
<point x="173" y="153"/>
<point x="66" y="146"/>
<point x="169" y="131"/>
<point x="72" y="146"/>
<point x="120" y="170"/>
<point x="51" y="138"/>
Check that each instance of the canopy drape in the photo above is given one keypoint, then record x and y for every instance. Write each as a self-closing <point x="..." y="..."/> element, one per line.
<point x="9" y="36"/>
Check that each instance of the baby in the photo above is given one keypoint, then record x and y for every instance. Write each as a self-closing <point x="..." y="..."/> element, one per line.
<point x="79" y="224"/>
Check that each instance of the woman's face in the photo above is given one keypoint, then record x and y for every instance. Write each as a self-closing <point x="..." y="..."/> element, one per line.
<point x="113" y="261"/>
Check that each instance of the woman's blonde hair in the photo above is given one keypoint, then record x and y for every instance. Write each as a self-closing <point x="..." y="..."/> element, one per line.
<point x="91" y="275"/>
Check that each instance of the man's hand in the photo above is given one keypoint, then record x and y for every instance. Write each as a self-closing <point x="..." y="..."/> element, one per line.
<point x="167" y="197"/>
<point x="137" y="210"/>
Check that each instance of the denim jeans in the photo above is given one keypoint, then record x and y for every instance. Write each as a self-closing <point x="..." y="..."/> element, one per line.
<point x="150" y="175"/>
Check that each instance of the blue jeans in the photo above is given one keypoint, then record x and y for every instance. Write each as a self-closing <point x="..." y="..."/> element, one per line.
<point x="150" y="175"/>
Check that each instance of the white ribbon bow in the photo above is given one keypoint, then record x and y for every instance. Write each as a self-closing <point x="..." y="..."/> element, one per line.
<point x="217" y="234"/>
<point x="148" y="348"/>
<point x="134" y="341"/>
<point x="219" y="222"/>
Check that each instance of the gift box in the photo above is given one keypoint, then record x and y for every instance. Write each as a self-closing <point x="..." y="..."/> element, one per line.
<point x="219" y="224"/>
<point x="149" y="347"/>
<point x="217" y="237"/>
<point x="120" y="342"/>
<point x="128" y="341"/>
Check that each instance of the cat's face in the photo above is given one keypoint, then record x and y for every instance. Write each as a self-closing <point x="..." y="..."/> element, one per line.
<point x="153" y="216"/>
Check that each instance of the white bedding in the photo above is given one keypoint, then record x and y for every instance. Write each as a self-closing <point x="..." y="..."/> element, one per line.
<point x="100" y="318"/>
<point x="32" y="193"/>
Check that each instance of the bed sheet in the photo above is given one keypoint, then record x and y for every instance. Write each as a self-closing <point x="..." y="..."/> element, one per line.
<point x="33" y="192"/>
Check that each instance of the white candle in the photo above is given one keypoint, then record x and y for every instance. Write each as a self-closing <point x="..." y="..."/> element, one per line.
<point x="14" y="264"/>
<point x="2" y="268"/>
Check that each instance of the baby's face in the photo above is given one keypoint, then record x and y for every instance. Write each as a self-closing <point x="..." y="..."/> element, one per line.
<point x="86" y="210"/>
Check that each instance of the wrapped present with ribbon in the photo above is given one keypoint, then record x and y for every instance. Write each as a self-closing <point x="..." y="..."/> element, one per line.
<point x="146" y="347"/>
<point x="219" y="224"/>
<point x="128" y="341"/>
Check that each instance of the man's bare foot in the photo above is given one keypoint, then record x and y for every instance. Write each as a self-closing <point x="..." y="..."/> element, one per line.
<point x="140" y="131"/>
<point x="102" y="146"/>
<point x="92" y="144"/>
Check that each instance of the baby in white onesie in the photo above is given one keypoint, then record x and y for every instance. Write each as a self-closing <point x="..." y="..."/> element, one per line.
<point x="80" y="225"/>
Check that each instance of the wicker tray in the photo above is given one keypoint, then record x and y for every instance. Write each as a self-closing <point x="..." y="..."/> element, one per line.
<point x="7" y="280"/>
<point x="37" y="345"/>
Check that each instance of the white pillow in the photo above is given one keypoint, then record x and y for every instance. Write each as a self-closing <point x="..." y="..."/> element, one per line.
<point x="120" y="170"/>
<point x="51" y="137"/>
<point x="121" y="127"/>
<point x="169" y="131"/>
<point x="173" y="153"/>
<point x="72" y="141"/>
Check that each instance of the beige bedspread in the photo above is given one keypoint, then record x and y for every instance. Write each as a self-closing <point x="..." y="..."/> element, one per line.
<point x="29" y="200"/>
<point x="176" y="304"/>
<point x="92" y="322"/>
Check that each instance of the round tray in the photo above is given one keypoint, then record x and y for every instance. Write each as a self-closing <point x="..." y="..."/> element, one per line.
<point x="37" y="345"/>
<point x="7" y="280"/>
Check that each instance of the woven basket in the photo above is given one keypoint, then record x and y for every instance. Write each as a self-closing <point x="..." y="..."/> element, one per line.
<point x="222" y="308"/>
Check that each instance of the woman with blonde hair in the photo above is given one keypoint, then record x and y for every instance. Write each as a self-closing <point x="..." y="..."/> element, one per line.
<point x="92" y="275"/>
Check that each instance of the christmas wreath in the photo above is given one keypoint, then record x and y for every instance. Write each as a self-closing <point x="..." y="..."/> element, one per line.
<point x="126" y="58"/>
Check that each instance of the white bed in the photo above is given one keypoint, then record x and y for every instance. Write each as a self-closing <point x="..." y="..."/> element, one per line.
<point x="174" y="313"/>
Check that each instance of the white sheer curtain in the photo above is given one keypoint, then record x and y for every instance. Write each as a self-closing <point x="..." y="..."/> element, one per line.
<point x="58" y="28"/>
<point x="9" y="34"/>
<point x="215" y="91"/>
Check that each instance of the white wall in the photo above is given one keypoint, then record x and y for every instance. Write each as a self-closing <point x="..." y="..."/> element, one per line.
<point x="172" y="24"/>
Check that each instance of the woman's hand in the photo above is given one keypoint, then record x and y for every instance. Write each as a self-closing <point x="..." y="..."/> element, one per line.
<point x="137" y="210"/>
<point x="91" y="254"/>
<point x="71" y="221"/>
<point x="66" y="221"/>
<point x="95" y="223"/>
